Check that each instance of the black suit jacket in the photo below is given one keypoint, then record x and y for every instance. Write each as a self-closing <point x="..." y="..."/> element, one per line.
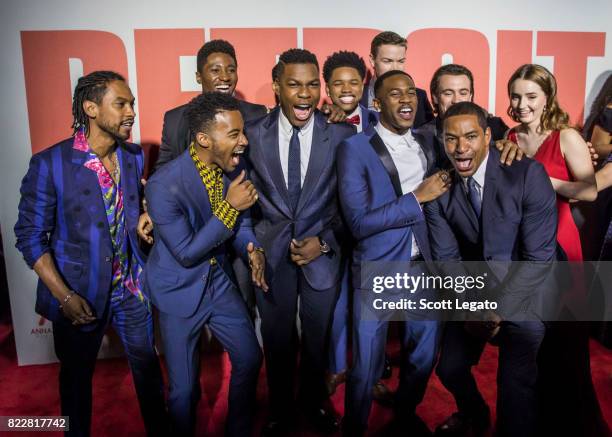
<point x="317" y="210"/>
<point x="176" y="136"/>
<point x="424" y="112"/>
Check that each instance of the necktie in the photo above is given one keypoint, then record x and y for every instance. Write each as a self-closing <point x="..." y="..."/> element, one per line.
<point x="294" y="178"/>
<point x="355" y="119"/>
<point x="474" y="196"/>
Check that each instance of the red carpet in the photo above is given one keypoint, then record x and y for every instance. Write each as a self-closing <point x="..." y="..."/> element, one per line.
<point x="33" y="390"/>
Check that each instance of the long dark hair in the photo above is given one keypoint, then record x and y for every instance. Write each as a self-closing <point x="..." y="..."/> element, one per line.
<point x="603" y="99"/>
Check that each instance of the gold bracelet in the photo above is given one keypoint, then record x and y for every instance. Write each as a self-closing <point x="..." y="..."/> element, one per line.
<point x="66" y="299"/>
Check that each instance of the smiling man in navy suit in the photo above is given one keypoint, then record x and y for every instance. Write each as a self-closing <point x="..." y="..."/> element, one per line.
<point x="382" y="184"/>
<point x="291" y="155"/>
<point x="493" y="213"/>
<point x="197" y="212"/>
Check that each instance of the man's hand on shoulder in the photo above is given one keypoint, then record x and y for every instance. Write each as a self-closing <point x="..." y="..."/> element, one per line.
<point x="510" y="151"/>
<point x="333" y="112"/>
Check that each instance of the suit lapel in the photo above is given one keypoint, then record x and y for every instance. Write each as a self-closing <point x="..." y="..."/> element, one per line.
<point x="319" y="158"/>
<point x="269" y="145"/>
<point x="490" y="189"/>
<point x="194" y="187"/>
<point x="385" y="157"/>
<point x="89" y="191"/>
<point x="427" y="149"/>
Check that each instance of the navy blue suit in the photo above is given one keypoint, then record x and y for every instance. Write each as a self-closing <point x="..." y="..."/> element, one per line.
<point x="317" y="283"/>
<point x="518" y="223"/>
<point x="382" y="225"/>
<point x="190" y="289"/>
<point x="62" y="213"/>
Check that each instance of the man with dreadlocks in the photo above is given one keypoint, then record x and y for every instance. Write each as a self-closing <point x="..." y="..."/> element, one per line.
<point x="78" y="214"/>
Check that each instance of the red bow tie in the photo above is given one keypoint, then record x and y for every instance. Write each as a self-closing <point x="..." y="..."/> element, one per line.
<point x="355" y="119"/>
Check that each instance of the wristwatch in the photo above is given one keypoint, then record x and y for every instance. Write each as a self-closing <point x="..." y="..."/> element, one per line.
<point x="323" y="246"/>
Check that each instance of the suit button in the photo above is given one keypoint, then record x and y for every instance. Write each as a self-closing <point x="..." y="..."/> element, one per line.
<point x="100" y="225"/>
<point x="204" y="278"/>
<point x="86" y="191"/>
<point x="132" y="197"/>
<point x="77" y="208"/>
<point x="107" y="259"/>
<point x="129" y="165"/>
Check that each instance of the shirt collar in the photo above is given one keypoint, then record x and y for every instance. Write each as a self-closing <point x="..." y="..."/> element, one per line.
<point x="393" y="140"/>
<point x="356" y="111"/>
<point x="287" y="127"/>
<point x="480" y="173"/>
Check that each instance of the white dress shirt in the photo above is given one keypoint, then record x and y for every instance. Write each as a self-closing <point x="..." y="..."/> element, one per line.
<point x="409" y="159"/>
<point x="285" y="130"/>
<point x="479" y="177"/>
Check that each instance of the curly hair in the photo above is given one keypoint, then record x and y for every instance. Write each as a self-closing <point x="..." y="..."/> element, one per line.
<point x="294" y="56"/>
<point x="214" y="46"/>
<point x="603" y="99"/>
<point x="343" y="59"/>
<point x="553" y="117"/>
<point x="201" y="110"/>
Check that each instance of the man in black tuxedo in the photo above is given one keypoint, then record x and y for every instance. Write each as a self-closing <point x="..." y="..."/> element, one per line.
<point x="217" y="71"/>
<point x="292" y="154"/>
<point x="388" y="52"/>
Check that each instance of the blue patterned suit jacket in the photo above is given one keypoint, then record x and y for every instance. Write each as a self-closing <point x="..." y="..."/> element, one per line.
<point x="62" y="212"/>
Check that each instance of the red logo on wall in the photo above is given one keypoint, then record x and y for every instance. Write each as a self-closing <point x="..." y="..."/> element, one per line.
<point x="42" y="328"/>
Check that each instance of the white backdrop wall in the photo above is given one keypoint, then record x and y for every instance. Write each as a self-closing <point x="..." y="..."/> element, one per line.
<point x="47" y="45"/>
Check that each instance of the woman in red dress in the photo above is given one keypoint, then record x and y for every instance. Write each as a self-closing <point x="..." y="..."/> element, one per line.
<point x="569" y="403"/>
<point x="544" y="134"/>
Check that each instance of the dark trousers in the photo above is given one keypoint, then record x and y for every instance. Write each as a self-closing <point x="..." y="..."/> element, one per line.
<point x="77" y="351"/>
<point x="419" y="349"/>
<point x="419" y="338"/>
<point x="278" y="309"/>
<point x="223" y="309"/>
<point x="519" y="343"/>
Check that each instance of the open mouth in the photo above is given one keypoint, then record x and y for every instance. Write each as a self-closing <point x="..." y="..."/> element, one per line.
<point x="236" y="155"/>
<point x="128" y="123"/>
<point x="405" y="112"/>
<point x="302" y="112"/>
<point x="463" y="164"/>
<point x="222" y="88"/>
<point x="347" y="100"/>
